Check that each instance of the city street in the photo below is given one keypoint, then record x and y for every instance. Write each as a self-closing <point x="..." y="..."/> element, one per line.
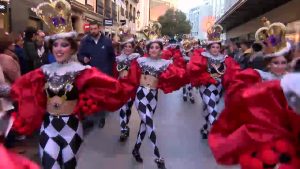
<point x="177" y="125"/>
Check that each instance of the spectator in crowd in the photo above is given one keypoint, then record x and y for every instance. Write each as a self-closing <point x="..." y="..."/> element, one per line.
<point x="19" y="51"/>
<point x="42" y="50"/>
<point x="97" y="50"/>
<point x="243" y="59"/>
<point x="140" y="47"/>
<point x="30" y="49"/>
<point x="9" y="63"/>
<point x="295" y="63"/>
<point x="256" y="60"/>
<point x="233" y="50"/>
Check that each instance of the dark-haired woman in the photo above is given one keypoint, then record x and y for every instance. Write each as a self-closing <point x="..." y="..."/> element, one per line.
<point x="56" y="96"/>
<point x="210" y="70"/>
<point x="150" y="74"/>
<point x="123" y="63"/>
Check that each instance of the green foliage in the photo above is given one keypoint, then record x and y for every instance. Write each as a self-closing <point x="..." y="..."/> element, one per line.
<point x="174" y="22"/>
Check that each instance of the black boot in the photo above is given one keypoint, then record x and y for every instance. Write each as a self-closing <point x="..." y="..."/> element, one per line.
<point x="203" y="134"/>
<point x="101" y="123"/>
<point x="192" y="100"/>
<point x="160" y="163"/>
<point x="124" y="134"/>
<point x="137" y="156"/>
<point x="184" y="98"/>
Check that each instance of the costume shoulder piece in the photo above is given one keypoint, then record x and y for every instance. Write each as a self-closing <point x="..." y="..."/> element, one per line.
<point x="62" y="69"/>
<point x="123" y="61"/>
<point x="153" y="67"/>
<point x="214" y="59"/>
<point x="291" y="89"/>
<point x="267" y="75"/>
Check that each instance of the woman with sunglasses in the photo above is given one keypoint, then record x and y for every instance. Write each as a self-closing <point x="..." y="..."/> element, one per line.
<point x="150" y="74"/>
<point x="123" y="63"/>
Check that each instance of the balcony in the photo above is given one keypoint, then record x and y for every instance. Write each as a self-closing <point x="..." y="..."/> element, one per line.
<point x="241" y="11"/>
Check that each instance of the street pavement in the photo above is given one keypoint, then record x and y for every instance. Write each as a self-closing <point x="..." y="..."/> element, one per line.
<point x="178" y="134"/>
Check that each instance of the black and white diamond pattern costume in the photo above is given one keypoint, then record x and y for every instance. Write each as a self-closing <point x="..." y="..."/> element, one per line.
<point x="60" y="140"/>
<point x="211" y="93"/>
<point x="146" y="101"/>
<point x="187" y="90"/>
<point x="60" y="136"/>
<point x="123" y="63"/>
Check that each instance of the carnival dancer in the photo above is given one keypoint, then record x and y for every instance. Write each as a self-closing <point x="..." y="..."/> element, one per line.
<point x="123" y="63"/>
<point x="56" y="96"/>
<point x="209" y="70"/>
<point x="259" y="127"/>
<point x="150" y="74"/>
<point x="276" y="62"/>
<point x="188" y="53"/>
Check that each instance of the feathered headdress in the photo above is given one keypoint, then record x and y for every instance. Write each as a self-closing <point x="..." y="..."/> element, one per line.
<point x="214" y="34"/>
<point x="272" y="36"/>
<point x="56" y="14"/>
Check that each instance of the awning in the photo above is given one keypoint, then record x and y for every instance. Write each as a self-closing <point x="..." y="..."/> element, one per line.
<point x="245" y="10"/>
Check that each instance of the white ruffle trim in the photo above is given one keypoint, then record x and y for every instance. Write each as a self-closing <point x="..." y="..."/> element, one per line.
<point x="281" y="52"/>
<point x="72" y="34"/>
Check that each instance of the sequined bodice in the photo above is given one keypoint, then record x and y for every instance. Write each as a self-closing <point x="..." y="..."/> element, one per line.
<point x="62" y="86"/>
<point x="215" y="64"/>
<point x="60" y="79"/>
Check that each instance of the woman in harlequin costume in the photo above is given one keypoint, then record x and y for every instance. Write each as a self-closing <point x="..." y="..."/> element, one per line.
<point x="150" y="74"/>
<point x="188" y="53"/>
<point x="210" y="70"/>
<point x="123" y="63"/>
<point x="56" y="96"/>
<point x="259" y="127"/>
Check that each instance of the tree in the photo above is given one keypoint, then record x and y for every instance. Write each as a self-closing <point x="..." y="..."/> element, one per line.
<point x="174" y="22"/>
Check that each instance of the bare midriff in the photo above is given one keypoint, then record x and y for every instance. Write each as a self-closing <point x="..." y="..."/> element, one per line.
<point x="58" y="106"/>
<point x="149" y="81"/>
<point x="123" y="73"/>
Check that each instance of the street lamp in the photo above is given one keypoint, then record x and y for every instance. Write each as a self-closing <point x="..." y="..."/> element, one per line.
<point x="138" y="14"/>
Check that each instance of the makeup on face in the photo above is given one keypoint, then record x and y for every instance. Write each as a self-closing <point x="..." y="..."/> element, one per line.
<point x="61" y="50"/>
<point x="154" y="50"/>
<point x="128" y="49"/>
<point x="278" y="65"/>
<point x="215" y="49"/>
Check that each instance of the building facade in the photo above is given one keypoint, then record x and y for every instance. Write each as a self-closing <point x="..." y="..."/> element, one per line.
<point x="83" y="12"/>
<point x="241" y="19"/>
<point x="144" y="17"/>
<point x="200" y="18"/>
<point x="4" y="16"/>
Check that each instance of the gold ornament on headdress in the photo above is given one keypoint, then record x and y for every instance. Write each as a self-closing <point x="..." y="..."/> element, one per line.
<point x="214" y="33"/>
<point x="56" y="14"/>
<point x="187" y="45"/>
<point x="152" y="32"/>
<point x="273" y="37"/>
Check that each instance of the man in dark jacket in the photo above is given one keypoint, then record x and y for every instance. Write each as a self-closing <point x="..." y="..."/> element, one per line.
<point x="30" y="47"/>
<point x="97" y="50"/>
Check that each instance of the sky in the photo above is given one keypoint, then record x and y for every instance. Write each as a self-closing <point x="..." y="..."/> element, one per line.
<point x="186" y="5"/>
